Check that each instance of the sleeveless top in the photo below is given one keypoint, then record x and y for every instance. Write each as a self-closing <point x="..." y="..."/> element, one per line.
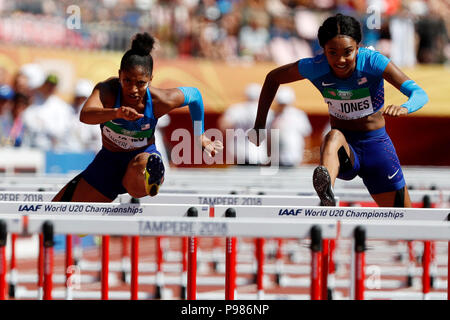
<point x="131" y="134"/>
<point x="358" y="96"/>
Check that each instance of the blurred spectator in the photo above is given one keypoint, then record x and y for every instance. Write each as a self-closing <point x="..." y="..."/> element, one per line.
<point x="229" y="44"/>
<point x="254" y="37"/>
<point x="47" y="118"/>
<point x="307" y="23"/>
<point x="15" y="130"/>
<point x="81" y="137"/>
<point x="294" y="128"/>
<point x="6" y="94"/>
<point x="240" y="117"/>
<point x="403" y="41"/>
<point x="228" y="30"/>
<point x="285" y="46"/>
<point x="29" y="78"/>
<point x="433" y="35"/>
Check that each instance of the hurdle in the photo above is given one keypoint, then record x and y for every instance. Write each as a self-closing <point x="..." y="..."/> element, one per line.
<point x="199" y="199"/>
<point x="210" y="199"/>
<point x="82" y="209"/>
<point x="398" y="230"/>
<point x="216" y="199"/>
<point x="185" y="178"/>
<point x="225" y="227"/>
<point x="145" y="226"/>
<point x="194" y="199"/>
<point x="213" y="199"/>
<point x="340" y="214"/>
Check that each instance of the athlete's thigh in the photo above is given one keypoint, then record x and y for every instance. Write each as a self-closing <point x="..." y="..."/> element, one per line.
<point x="380" y="169"/>
<point x="397" y="198"/>
<point x="81" y="192"/>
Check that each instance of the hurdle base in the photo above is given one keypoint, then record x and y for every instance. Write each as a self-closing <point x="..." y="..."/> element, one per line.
<point x="183" y="293"/>
<point x="12" y="291"/>
<point x="409" y="281"/>
<point x="159" y="292"/>
<point x="329" y="294"/>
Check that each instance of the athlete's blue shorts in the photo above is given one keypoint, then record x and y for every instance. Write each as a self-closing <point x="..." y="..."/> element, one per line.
<point x="106" y="171"/>
<point x="376" y="161"/>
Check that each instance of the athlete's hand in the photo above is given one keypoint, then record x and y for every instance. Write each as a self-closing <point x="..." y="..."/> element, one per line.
<point x="211" y="147"/>
<point x="256" y="135"/>
<point x="395" y="111"/>
<point x="128" y="113"/>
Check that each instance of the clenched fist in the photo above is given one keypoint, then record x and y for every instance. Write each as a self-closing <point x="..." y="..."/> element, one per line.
<point x="128" y="113"/>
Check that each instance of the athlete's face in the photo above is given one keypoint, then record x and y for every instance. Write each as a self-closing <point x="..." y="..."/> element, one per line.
<point x="341" y="55"/>
<point x="134" y="82"/>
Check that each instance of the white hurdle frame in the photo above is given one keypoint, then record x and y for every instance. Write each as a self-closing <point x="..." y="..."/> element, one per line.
<point x="85" y="209"/>
<point x="223" y="227"/>
<point x="340" y="215"/>
<point x="237" y="177"/>
<point x="190" y="199"/>
<point x="123" y="202"/>
<point x="155" y="226"/>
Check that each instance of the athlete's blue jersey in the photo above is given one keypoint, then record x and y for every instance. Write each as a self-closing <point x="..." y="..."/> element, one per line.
<point x="131" y="134"/>
<point x="358" y="96"/>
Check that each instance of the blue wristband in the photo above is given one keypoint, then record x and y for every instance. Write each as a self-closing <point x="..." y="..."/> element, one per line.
<point x="193" y="98"/>
<point x="417" y="96"/>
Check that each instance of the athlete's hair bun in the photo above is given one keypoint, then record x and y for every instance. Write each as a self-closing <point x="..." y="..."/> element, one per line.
<point x="142" y="44"/>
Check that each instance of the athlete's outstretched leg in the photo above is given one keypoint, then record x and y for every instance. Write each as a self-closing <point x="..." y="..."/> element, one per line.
<point x="144" y="175"/>
<point x="398" y="198"/>
<point x="335" y="156"/>
<point x="78" y="190"/>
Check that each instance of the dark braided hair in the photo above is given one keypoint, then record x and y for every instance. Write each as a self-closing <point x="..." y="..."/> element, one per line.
<point x="139" y="54"/>
<point x="339" y="25"/>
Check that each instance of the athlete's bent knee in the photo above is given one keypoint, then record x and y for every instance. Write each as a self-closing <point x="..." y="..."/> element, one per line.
<point x="69" y="190"/>
<point x="334" y="135"/>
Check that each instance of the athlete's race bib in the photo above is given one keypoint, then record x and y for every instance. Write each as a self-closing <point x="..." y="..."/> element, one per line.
<point x="348" y="104"/>
<point x="124" y="141"/>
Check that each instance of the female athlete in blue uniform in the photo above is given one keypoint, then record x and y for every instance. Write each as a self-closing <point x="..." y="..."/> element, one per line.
<point x="127" y="109"/>
<point x="350" y="79"/>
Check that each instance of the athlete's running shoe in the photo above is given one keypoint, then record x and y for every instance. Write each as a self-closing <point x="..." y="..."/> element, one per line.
<point x="154" y="174"/>
<point x="322" y="184"/>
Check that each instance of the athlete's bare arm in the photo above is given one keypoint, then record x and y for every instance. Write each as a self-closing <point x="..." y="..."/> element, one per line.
<point x="284" y="74"/>
<point x="99" y="106"/>
<point x="165" y="100"/>
<point x="396" y="77"/>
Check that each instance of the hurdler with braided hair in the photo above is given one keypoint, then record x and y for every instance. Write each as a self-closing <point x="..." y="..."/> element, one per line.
<point x="127" y="108"/>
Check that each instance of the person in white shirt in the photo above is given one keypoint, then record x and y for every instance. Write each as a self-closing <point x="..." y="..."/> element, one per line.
<point x="294" y="127"/>
<point x="81" y="137"/>
<point x="47" y="118"/>
<point x="240" y="118"/>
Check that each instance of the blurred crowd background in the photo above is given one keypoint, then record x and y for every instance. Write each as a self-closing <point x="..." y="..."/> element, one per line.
<point x="274" y="30"/>
<point x="410" y="32"/>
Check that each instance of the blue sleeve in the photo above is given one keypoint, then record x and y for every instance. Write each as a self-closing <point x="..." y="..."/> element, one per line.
<point x="313" y="68"/>
<point x="305" y="68"/>
<point x="193" y="98"/>
<point x="417" y="96"/>
<point x="377" y="62"/>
